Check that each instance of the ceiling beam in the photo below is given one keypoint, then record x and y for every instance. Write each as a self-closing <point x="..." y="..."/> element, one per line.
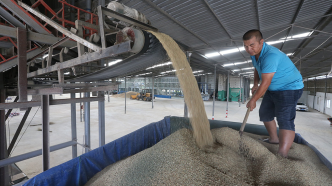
<point x="33" y="36"/>
<point x="323" y="22"/>
<point x="223" y="26"/>
<point x="177" y="22"/>
<point x="293" y="20"/>
<point x="174" y="20"/>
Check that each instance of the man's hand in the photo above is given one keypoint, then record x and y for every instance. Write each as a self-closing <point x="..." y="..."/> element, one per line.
<point x="253" y="89"/>
<point x="251" y="104"/>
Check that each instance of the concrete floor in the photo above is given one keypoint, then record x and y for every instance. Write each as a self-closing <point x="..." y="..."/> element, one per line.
<point x="312" y="125"/>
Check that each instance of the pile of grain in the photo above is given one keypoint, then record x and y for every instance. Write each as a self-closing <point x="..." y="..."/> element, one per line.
<point x="122" y="95"/>
<point x="192" y="95"/>
<point x="176" y="160"/>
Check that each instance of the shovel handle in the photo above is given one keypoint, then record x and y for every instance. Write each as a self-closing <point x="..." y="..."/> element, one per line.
<point x="245" y="120"/>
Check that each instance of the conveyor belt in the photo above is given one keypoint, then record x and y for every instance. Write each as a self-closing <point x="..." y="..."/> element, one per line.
<point x="151" y="54"/>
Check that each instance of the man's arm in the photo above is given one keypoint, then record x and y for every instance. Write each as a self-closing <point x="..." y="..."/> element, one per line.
<point x="266" y="81"/>
<point x="256" y="81"/>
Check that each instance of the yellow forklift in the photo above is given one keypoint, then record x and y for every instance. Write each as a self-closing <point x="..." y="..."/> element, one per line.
<point x="145" y="95"/>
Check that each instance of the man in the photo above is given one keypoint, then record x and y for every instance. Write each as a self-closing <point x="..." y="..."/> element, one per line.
<point x="282" y="84"/>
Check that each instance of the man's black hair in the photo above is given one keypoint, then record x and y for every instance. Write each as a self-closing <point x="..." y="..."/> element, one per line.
<point x="254" y="32"/>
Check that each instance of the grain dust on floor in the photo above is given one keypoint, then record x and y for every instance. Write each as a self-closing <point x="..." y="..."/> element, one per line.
<point x="177" y="160"/>
<point x="123" y="95"/>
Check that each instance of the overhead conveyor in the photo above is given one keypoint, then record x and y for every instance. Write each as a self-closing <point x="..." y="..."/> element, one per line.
<point x="151" y="54"/>
<point x="144" y="51"/>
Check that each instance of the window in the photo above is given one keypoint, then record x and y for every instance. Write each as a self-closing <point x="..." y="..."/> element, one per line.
<point x="328" y="102"/>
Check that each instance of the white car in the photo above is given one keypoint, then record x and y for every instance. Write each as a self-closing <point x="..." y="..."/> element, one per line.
<point x="301" y="106"/>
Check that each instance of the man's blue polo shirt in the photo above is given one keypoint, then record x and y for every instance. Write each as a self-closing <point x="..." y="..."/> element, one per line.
<point x="286" y="76"/>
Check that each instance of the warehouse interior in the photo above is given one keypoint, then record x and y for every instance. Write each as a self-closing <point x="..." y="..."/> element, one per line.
<point x="69" y="68"/>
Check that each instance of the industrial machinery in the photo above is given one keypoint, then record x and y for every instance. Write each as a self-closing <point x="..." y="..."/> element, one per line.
<point x="71" y="56"/>
<point x="135" y="96"/>
<point x="145" y="96"/>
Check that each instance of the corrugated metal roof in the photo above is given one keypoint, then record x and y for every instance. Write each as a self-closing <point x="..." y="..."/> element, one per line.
<point x="277" y="13"/>
<point x="201" y="27"/>
<point x="228" y="13"/>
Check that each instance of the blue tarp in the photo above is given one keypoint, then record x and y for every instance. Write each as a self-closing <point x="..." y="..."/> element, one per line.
<point x="79" y="170"/>
<point x="162" y="96"/>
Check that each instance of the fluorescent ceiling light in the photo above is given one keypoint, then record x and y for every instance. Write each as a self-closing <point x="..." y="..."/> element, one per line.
<point x="275" y="42"/>
<point x="321" y="77"/>
<point x="160" y="65"/>
<point x="290" y="54"/>
<point x="306" y="34"/>
<point x="236" y="63"/>
<point x="66" y="73"/>
<point x="249" y="68"/>
<point x="168" y="71"/>
<point x="197" y="71"/>
<point x="223" y="52"/>
<point x="144" y="74"/>
<point x="114" y="62"/>
<point x="212" y="54"/>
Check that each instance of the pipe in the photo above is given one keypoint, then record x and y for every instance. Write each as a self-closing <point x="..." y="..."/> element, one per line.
<point x="87" y="123"/>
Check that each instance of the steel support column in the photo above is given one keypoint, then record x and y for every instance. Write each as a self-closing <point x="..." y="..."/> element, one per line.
<point x="227" y="93"/>
<point x="214" y="89"/>
<point x="73" y="125"/>
<point x="240" y="91"/>
<point x="188" y="54"/>
<point x="313" y="104"/>
<point x="87" y="123"/>
<point x="126" y="94"/>
<point x="81" y="105"/>
<point x="22" y="64"/>
<point x="101" y="118"/>
<point x="152" y="91"/>
<point x="4" y="176"/>
<point x="325" y="94"/>
<point x="45" y="99"/>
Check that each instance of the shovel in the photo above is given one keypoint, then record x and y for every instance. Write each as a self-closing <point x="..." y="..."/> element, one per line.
<point x="244" y="121"/>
